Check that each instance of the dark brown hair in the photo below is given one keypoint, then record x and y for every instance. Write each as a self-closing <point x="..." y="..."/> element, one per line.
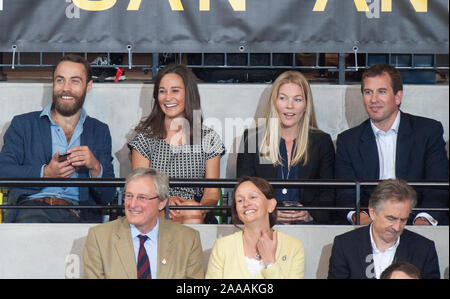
<point x="379" y="70"/>
<point x="265" y="189"/>
<point x="76" y="59"/>
<point x="153" y="125"/>
<point x="407" y="268"/>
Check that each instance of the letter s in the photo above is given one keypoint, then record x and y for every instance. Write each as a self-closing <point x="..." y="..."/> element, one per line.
<point x="94" y="5"/>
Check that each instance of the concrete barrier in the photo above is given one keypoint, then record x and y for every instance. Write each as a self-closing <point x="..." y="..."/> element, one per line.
<point x="55" y="250"/>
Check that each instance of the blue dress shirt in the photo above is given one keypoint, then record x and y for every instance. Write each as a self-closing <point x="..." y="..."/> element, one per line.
<point x="60" y="144"/>
<point x="293" y="194"/>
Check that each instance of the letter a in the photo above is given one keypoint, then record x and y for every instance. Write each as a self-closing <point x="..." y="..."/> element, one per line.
<point x="420" y="5"/>
<point x="361" y="5"/>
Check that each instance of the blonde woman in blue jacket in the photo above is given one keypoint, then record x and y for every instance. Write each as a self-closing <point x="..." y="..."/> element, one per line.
<point x="257" y="251"/>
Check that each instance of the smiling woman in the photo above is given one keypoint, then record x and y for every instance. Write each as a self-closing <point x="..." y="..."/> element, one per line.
<point x="291" y="148"/>
<point x="174" y="140"/>
<point x="258" y="251"/>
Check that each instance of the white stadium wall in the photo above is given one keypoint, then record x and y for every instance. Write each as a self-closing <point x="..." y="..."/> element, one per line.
<point x="57" y="248"/>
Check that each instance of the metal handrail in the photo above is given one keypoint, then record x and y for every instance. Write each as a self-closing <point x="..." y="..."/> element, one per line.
<point x="224" y="183"/>
<point x="216" y="183"/>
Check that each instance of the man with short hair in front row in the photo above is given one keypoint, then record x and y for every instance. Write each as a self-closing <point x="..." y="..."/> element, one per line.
<point x="367" y="251"/>
<point x="141" y="245"/>
<point x="61" y="141"/>
<point x="391" y="144"/>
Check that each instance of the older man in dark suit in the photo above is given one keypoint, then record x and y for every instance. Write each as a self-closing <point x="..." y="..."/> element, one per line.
<point x="392" y="144"/>
<point x="367" y="251"/>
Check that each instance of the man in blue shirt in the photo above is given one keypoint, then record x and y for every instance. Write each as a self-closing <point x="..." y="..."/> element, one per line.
<point x="61" y="141"/>
<point x="391" y="144"/>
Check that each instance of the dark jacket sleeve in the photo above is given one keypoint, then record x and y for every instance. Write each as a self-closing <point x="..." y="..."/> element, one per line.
<point x="430" y="268"/>
<point x="325" y="171"/>
<point x="245" y="160"/>
<point x="101" y="148"/>
<point x="338" y="267"/>
<point x="17" y="158"/>
<point x="436" y="169"/>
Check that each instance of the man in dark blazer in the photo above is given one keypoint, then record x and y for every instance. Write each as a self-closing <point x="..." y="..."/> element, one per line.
<point x="35" y="142"/>
<point x="392" y="144"/>
<point x="367" y="251"/>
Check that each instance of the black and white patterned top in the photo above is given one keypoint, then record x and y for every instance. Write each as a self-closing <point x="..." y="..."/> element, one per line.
<point x="180" y="161"/>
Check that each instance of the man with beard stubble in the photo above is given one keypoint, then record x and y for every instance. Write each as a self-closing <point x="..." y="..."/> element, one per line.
<point x="61" y="141"/>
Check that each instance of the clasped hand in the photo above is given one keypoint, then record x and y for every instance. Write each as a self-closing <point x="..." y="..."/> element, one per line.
<point x="185" y="216"/>
<point x="290" y="217"/>
<point x="79" y="156"/>
<point x="267" y="246"/>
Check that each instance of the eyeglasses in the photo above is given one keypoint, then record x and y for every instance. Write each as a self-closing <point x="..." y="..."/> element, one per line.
<point x="139" y="197"/>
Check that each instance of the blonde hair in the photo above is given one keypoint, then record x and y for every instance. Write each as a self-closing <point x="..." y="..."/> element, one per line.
<point x="270" y="145"/>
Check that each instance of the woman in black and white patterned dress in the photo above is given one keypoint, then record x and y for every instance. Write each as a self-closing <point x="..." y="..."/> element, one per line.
<point x="173" y="139"/>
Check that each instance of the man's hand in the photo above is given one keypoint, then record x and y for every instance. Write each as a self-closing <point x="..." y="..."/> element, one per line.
<point x="82" y="156"/>
<point x="56" y="169"/>
<point x="364" y="219"/>
<point x="421" y="221"/>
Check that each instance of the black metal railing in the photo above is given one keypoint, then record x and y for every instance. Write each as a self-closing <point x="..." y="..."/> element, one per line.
<point x="341" y="63"/>
<point x="211" y="183"/>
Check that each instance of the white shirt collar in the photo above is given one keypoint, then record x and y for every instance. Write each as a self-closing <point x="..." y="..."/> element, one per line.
<point x="374" y="246"/>
<point x="393" y="128"/>
<point x="152" y="235"/>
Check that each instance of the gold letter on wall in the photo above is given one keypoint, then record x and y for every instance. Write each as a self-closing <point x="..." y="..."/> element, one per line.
<point x="134" y="5"/>
<point x="176" y="5"/>
<point x="94" y="5"/>
<point x="420" y="5"/>
<point x="361" y="5"/>
<point x="237" y="5"/>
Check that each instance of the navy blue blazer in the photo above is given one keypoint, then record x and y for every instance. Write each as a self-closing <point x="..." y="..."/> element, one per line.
<point x="351" y="255"/>
<point x="320" y="166"/>
<point x="420" y="156"/>
<point x="27" y="146"/>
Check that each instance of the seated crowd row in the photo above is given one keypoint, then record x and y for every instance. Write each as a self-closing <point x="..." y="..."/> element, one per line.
<point x="62" y="141"/>
<point x="144" y="245"/>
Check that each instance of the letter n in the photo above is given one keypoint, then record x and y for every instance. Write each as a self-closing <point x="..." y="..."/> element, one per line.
<point x="238" y="5"/>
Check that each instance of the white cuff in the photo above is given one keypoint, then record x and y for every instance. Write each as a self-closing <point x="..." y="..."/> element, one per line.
<point x="350" y="215"/>
<point x="427" y="216"/>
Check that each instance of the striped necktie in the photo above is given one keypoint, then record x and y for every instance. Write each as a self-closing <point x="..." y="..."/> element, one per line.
<point x="143" y="265"/>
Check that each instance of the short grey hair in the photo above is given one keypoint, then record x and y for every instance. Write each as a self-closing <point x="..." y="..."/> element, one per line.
<point x="392" y="189"/>
<point x="160" y="180"/>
